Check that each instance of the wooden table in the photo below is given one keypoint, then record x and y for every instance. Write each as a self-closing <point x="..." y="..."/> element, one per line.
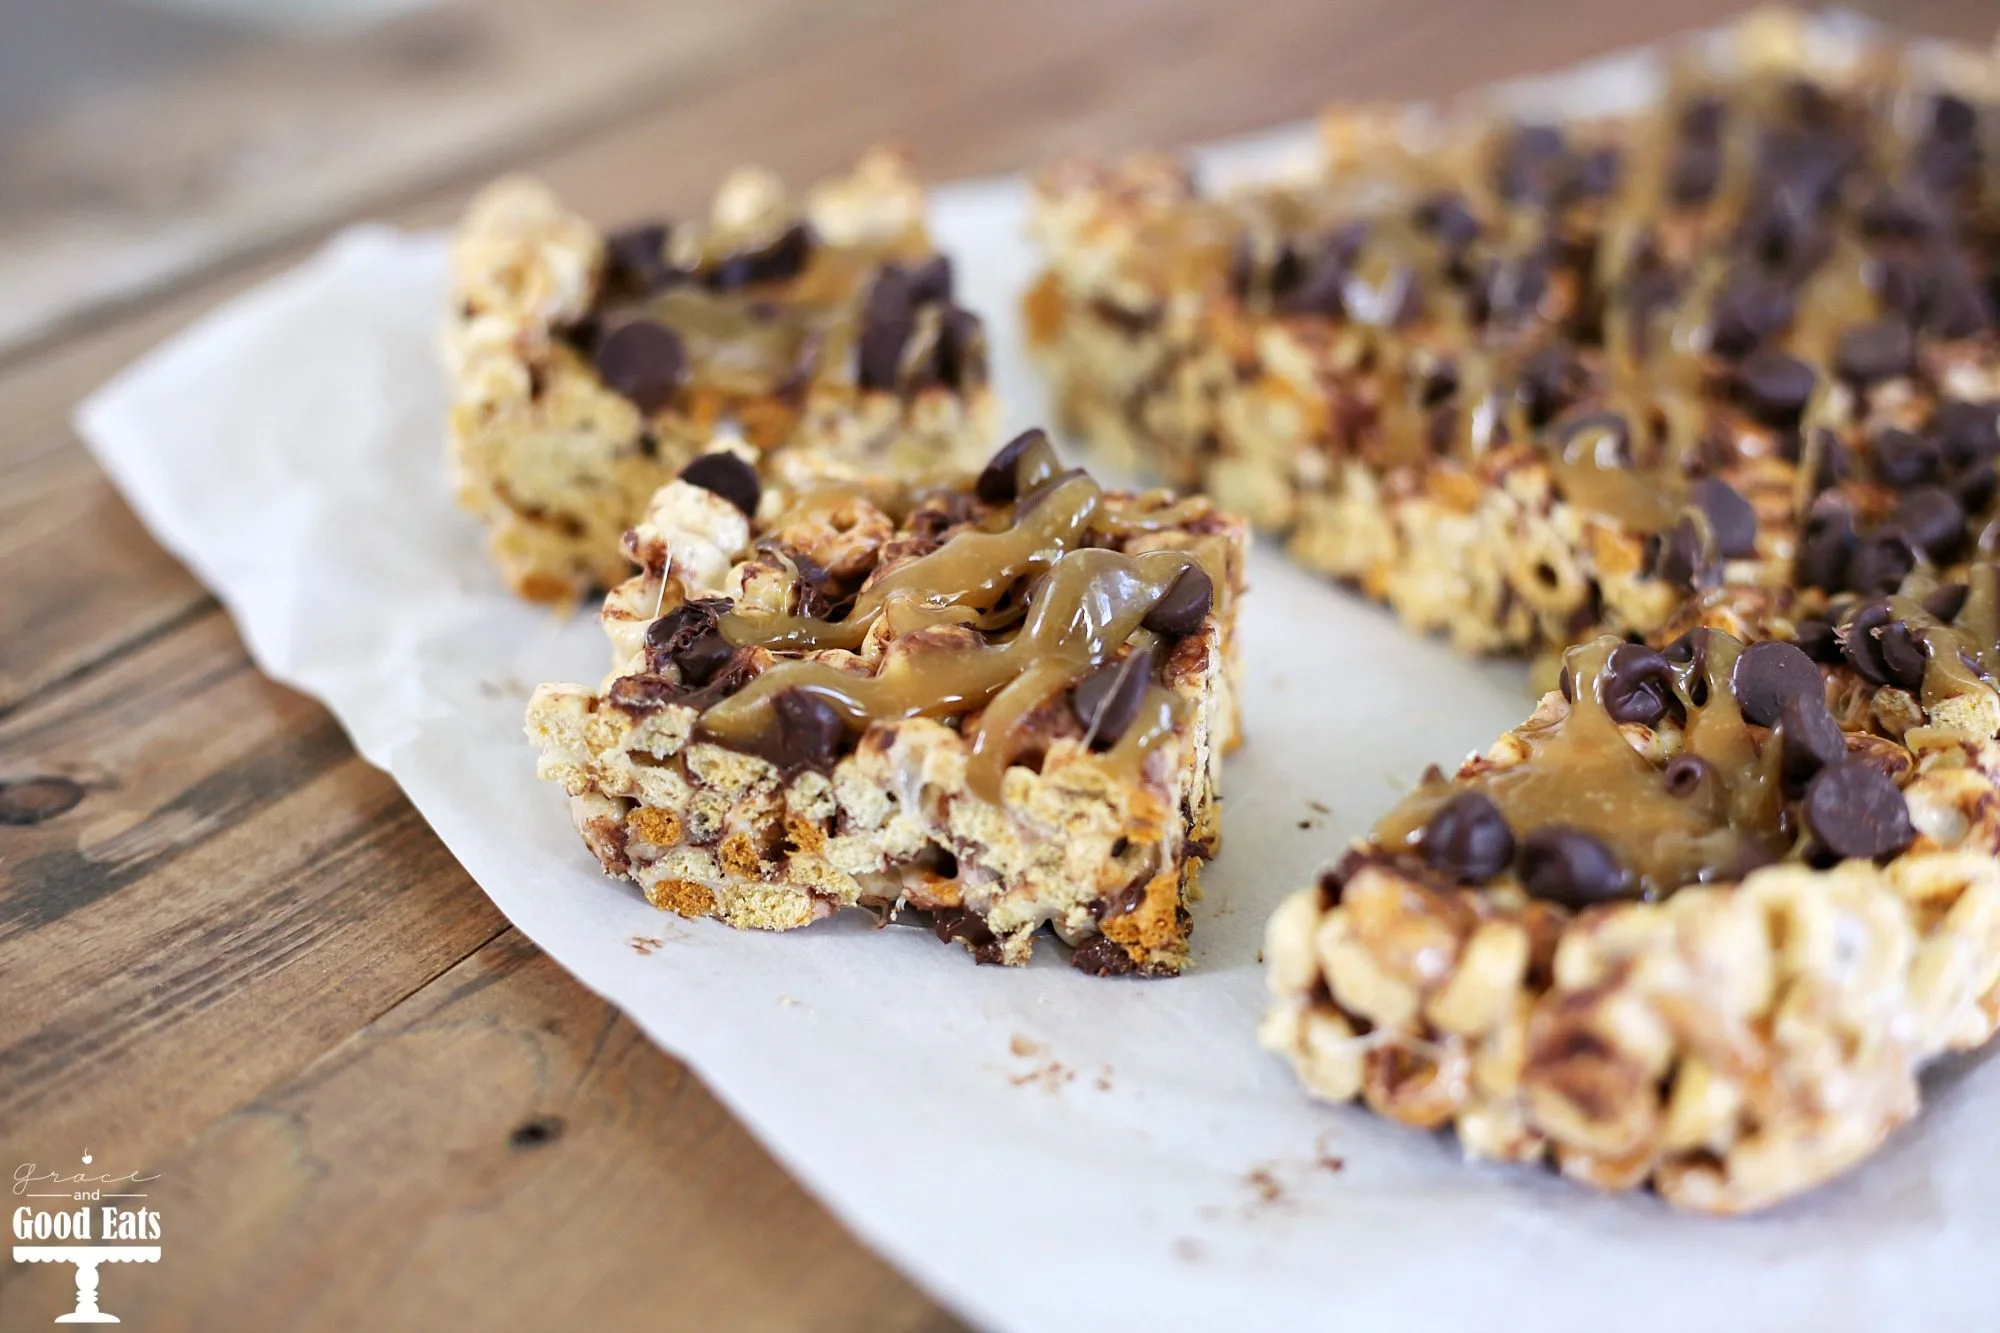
<point x="240" y="960"/>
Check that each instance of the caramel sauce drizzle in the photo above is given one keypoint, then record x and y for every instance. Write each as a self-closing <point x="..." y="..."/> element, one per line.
<point x="752" y="341"/>
<point x="1084" y="605"/>
<point x="1581" y="771"/>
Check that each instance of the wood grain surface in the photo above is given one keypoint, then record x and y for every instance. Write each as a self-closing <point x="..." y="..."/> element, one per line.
<point x="241" y="960"/>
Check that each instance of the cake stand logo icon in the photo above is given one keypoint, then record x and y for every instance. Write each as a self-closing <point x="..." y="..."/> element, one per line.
<point x="83" y="1218"/>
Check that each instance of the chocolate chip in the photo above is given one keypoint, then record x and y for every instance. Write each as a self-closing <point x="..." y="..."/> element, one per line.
<point x="1746" y="312"/>
<point x="1876" y="352"/>
<point x="728" y="476"/>
<point x="637" y="257"/>
<point x="1467" y="838"/>
<point x="1810" y="737"/>
<point x="1903" y="460"/>
<point x="999" y="482"/>
<point x="689" y="638"/>
<point x="1551" y="380"/>
<point x="1931" y="520"/>
<point x="932" y="282"/>
<point x="1683" y="557"/>
<point x="1568" y="866"/>
<point x="1696" y="171"/>
<point x="1686" y="774"/>
<point x="1905" y="211"/>
<point x="1321" y="284"/>
<point x="1826" y="545"/>
<point x="644" y="362"/>
<point x="1730" y="518"/>
<point x="1637" y="684"/>
<point x="1880" y="563"/>
<point x="780" y="261"/>
<point x="961" y="351"/>
<point x="1101" y="956"/>
<point x="1769" y="675"/>
<point x="1946" y="601"/>
<point x="1966" y="433"/>
<point x="1856" y="813"/>
<point x="1595" y="174"/>
<point x="1511" y="289"/>
<point x="961" y="923"/>
<point x="1817" y="640"/>
<point x="1859" y="645"/>
<point x="1902" y="653"/>
<point x="1975" y="487"/>
<point x="1775" y="387"/>
<point x="1183" y="606"/>
<point x="1333" y="880"/>
<point x="810" y="730"/>
<point x="1530" y="166"/>
<point x="1107" y="700"/>
<point x="31" y="800"/>
<point x="1447" y="217"/>
<point x="878" y="358"/>
<point x="1701" y="118"/>
<point x="1954" y="119"/>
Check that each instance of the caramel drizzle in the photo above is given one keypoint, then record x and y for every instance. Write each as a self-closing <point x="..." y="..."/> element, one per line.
<point x="1581" y="771"/>
<point x="750" y="342"/>
<point x="1085" y="604"/>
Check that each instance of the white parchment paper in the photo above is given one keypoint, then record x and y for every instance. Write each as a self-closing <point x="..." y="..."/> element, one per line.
<point x="1040" y="1149"/>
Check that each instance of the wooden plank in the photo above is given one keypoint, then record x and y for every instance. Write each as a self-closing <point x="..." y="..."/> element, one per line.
<point x="502" y="1150"/>
<point x="234" y="893"/>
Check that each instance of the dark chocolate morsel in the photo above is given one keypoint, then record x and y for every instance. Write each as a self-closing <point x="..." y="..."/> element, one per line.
<point x="1874" y="352"/>
<point x="1859" y="645"/>
<point x="1854" y="812"/>
<point x="1683" y="558"/>
<point x="810" y="730"/>
<point x="1811" y="738"/>
<point x="1946" y="601"/>
<point x="1826" y="547"/>
<point x="1107" y="700"/>
<point x="1975" y="487"/>
<point x="688" y="638"/>
<point x="1183" y="606"/>
<point x="999" y="481"/>
<point x="1774" y="387"/>
<point x="1447" y="217"/>
<point x="1967" y="433"/>
<point x="878" y="356"/>
<point x="637" y="256"/>
<point x="1817" y="640"/>
<point x="931" y="281"/>
<point x="780" y="261"/>
<point x="1903" y="460"/>
<point x="1101" y="956"/>
<point x="727" y="476"/>
<point x="1771" y="674"/>
<point x="1566" y="865"/>
<point x="962" y="923"/>
<point x="643" y="362"/>
<point x="1730" y="518"/>
<point x="1931" y="520"/>
<point x="1467" y="838"/>
<point x="1880" y="563"/>
<point x="1749" y="310"/>
<point x="1637" y="684"/>
<point x="1696" y="171"/>
<point x="1902" y="653"/>
<point x="1685" y="774"/>
<point x="1551" y="380"/>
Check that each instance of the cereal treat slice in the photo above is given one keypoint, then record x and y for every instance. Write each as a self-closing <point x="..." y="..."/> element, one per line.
<point x="1523" y="382"/>
<point x="1697" y="924"/>
<point x="587" y="370"/>
<point x="1002" y="701"/>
